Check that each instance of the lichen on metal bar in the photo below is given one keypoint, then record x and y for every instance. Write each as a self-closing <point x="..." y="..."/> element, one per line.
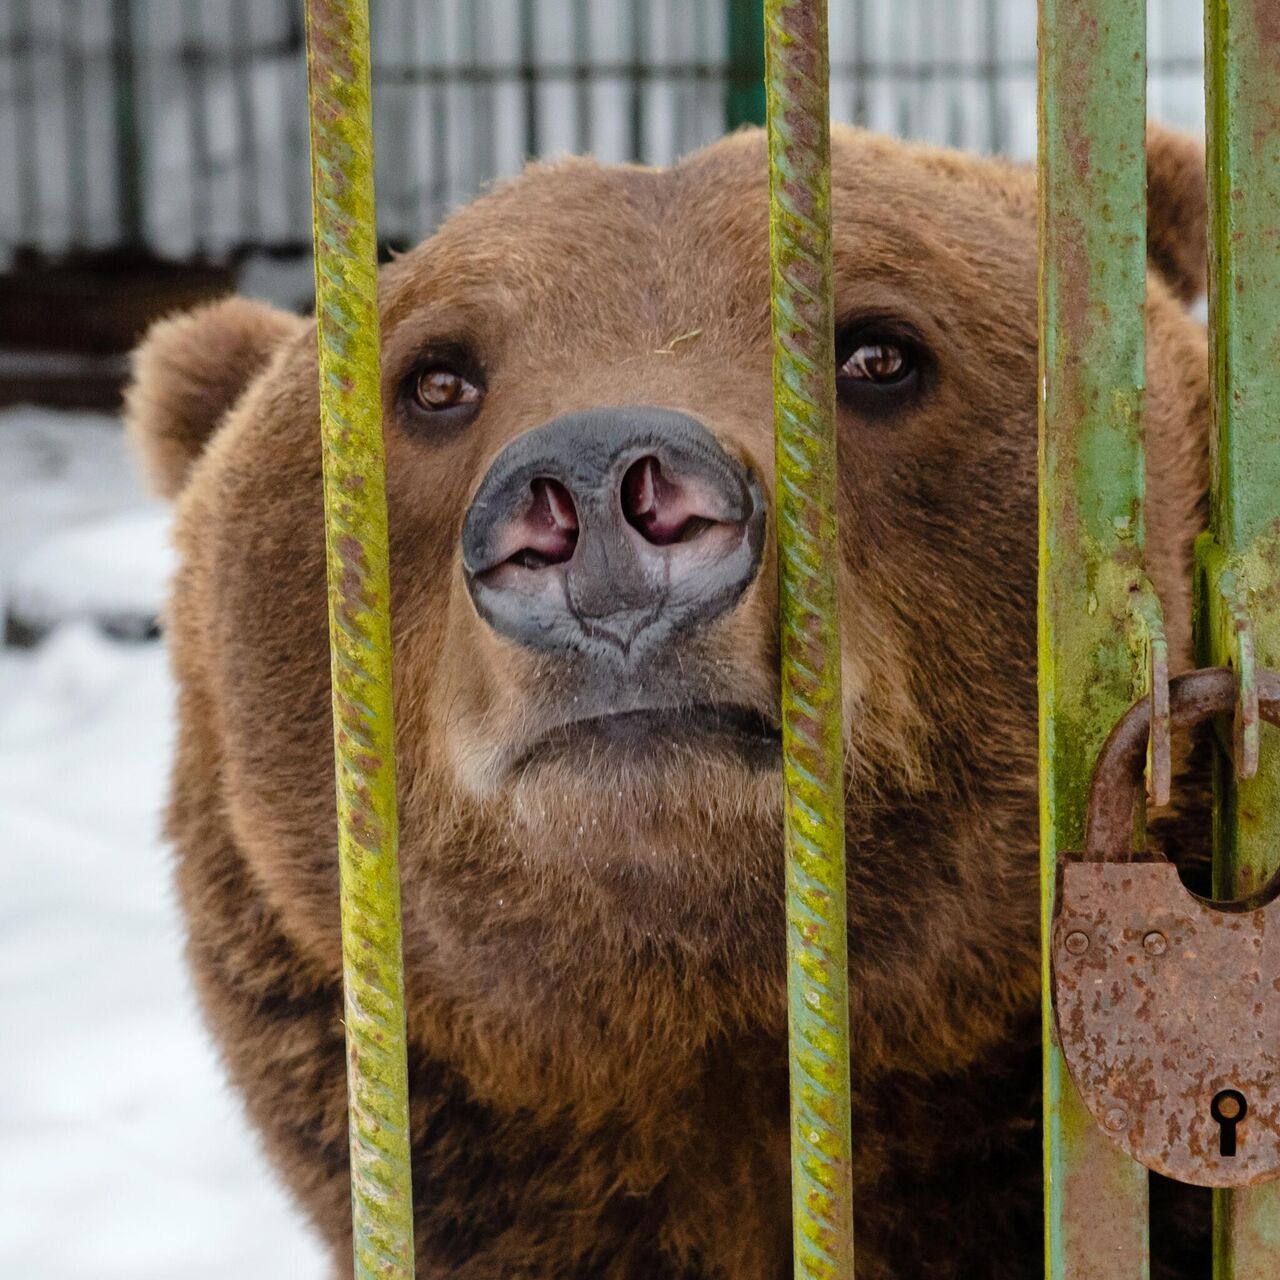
<point x="808" y="560"/>
<point x="1238" y="560"/>
<point x="360" y="634"/>
<point x="1092" y="193"/>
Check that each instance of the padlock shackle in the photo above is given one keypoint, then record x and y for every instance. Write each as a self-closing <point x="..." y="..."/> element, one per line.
<point x="1117" y="776"/>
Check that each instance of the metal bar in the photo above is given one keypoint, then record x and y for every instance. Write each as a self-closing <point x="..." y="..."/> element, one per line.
<point x="808" y="558"/>
<point x="194" y="70"/>
<point x="1239" y="558"/>
<point x="529" y="75"/>
<point x="440" y="192"/>
<point x="859" y="69"/>
<point x="705" y="69"/>
<point x="360" y="635"/>
<point x="480" y="151"/>
<point x="248" y="173"/>
<point x="75" y="138"/>
<point x="128" y="136"/>
<point x="296" y="175"/>
<point x="638" y="74"/>
<point x="397" y="100"/>
<point x="582" y="76"/>
<point x="26" y="136"/>
<point x="992" y="76"/>
<point x="745" y="101"/>
<point x="689" y="124"/>
<point x="1092" y="352"/>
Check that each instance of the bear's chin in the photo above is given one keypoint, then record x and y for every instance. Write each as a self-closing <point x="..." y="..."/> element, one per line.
<point x="664" y="808"/>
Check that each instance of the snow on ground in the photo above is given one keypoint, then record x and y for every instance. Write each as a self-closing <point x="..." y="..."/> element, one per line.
<point x="79" y="539"/>
<point x="123" y="1155"/>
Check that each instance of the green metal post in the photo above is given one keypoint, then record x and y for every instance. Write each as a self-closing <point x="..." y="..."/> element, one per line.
<point x="1094" y="602"/>
<point x="745" y="100"/>
<point x="808" y="560"/>
<point x="128" y="133"/>
<point x="360" y="635"/>
<point x="1239" y="559"/>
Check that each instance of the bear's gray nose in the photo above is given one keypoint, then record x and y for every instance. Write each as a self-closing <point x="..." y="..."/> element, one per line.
<point x="607" y="532"/>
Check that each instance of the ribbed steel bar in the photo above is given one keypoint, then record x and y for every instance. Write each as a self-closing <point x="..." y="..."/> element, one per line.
<point x="1239" y="596"/>
<point x="360" y="634"/>
<point x="1092" y="353"/>
<point x="808" y="559"/>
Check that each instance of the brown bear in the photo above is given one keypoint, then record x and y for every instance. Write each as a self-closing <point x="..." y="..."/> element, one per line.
<point x="577" y="397"/>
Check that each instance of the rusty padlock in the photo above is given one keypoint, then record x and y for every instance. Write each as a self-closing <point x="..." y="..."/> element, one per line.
<point x="1168" y="1007"/>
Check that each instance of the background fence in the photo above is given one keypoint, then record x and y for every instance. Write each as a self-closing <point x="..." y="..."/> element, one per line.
<point x="178" y="127"/>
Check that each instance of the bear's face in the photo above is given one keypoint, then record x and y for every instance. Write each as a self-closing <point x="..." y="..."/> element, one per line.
<point x="580" y="477"/>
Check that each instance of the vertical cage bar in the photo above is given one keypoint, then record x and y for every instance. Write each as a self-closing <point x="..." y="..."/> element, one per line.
<point x="440" y="187"/>
<point x="529" y="75"/>
<point x="808" y="556"/>
<point x="745" y="100"/>
<point x="360" y="635"/>
<point x="26" y="136"/>
<point x="478" y="19"/>
<point x="1092" y="353"/>
<point x="297" y="171"/>
<point x="128" y="135"/>
<point x="1239" y="558"/>
<point x="638" y="105"/>
<point x="858" y="110"/>
<point x="991" y="20"/>
<point x="74" y="133"/>
<point x="690" y="127"/>
<point x="195" y="75"/>
<point x="243" y="58"/>
<point x="582" y="112"/>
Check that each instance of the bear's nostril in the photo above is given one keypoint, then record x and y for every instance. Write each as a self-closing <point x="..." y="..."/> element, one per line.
<point x="664" y="511"/>
<point x="548" y="532"/>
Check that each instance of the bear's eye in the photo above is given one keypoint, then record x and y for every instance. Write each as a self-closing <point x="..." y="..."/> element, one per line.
<point x="437" y="389"/>
<point x="878" y="370"/>
<point x="877" y="362"/>
<point x="443" y="390"/>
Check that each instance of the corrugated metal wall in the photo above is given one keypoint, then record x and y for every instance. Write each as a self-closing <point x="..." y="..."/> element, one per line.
<point x="179" y="126"/>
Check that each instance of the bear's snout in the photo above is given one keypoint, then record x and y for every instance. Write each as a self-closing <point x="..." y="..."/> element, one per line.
<point x="608" y="532"/>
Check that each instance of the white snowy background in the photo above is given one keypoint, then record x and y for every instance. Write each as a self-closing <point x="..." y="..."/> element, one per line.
<point x="123" y="1155"/>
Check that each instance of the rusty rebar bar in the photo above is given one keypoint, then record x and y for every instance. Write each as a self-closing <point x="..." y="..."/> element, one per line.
<point x="360" y="634"/>
<point x="808" y="558"/>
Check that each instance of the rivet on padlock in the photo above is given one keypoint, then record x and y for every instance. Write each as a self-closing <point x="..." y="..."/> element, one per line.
<point x="1167" y="1064"/>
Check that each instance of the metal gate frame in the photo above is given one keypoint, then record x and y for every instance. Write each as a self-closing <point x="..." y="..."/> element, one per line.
<point x="1101" y="638"/>
<point x="1101" y="635"/>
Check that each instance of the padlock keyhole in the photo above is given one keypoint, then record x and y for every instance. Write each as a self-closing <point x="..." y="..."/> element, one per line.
<point x="1228" y="1108"/>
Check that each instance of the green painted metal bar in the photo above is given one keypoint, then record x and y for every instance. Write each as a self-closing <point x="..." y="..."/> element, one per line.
<point x="360" y="634"/>
<point x="808" y="559"/>
<point x="745" y="99"/>
<point x="130" y="206"/>
<point x="1093" y="596"/>
<point x="1239" y="558"/>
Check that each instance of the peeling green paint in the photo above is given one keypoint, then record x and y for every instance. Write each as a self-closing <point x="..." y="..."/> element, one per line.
<point x="1238" y="587"/>
<point x="1098" y="620"/>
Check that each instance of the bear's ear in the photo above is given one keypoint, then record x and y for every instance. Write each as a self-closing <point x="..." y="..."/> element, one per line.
<point x="1177" y="210"/>
<point x="188" y="372"/>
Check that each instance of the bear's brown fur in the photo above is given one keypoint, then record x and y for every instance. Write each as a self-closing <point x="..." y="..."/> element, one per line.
<point x="594" y="955"/>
